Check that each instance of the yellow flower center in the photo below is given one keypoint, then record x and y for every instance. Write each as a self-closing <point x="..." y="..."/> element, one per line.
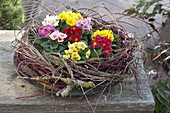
<point x="55" y="36"/>
<point x="94" y="43"/>
<point x="62" y="36"/>
<point x="76" y="39"/>
<point x="53" y="23"/>
<point x="42" y="31"/>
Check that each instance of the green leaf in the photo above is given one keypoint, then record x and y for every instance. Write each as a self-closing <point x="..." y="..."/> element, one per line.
<point x="86" y="33"/>
<point x="99" y="51"/>
<point x="168" y="14"/>
<point x="40" y="40"/>
<point x="53" y="46"/>
<point x="64" y="26"/>
<point x="168" y="84"/>
<point x="45" y="44"/>
<point x="48" y="49"/>
<point x="85" y="38"/>
<point x="148" y="15"/>
<point x="146" y="7"/>
<point x="158" y="105"/>
<point x="114" y="45"/>
<point x="81" y="52"/>
<point x="81" y="61"/>
<point x="162" y="93"/>
<point x="91" y="32"/>
<point x="95" y="52"/>
<point x="83" y="57"/>
<point x="140" y="4"/>
<point x="162" y="100"/>
<point x="116" y="38"/>
<point x="0" y="14"/>
<point x="130" y="11"/>
<point x="59" y="49"/>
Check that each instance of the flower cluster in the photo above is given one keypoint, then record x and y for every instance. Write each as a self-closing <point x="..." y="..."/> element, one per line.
<point x="72" y="36"/>
<point x="51" y="20"/>
<point x="103" y="39"/>
<point x="69" y="17"/>
<point x="76" y="51"/>
<point x="46" y="30"/>
<point x="85" y="23"/>
<point x="56" y="35"/>
<point x="103" y="33"/>
<point x="49" y="31"/>
<point x="73" y="33"/>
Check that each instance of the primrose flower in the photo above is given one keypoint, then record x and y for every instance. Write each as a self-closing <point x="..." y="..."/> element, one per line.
<point x="75" y="38"/>
<point x="95" y="42"/>
<point x="108" y="50"/>
<point x="82" y="45"/>
<point x="69" y="17"/>
<point x="49" y="27"/>
<point x="70" y="21"/>
<point x="105" y="42"/>
<point x="51" y="20"/>
<point x="103" y="33"/>
<point x="67" y="54"/>
<point x="73" y="33"/>
<point x="61" y="37"/>
<point x="62" y="16"/>
<point x="85" y="23"/>
<point x="74" y="49"/>
<point x="75" y="29"/>
<point x="88" y="53"/>
<point x="54" y="35"/>
<point x="75" y="56"/>
<point x="43" y="31"/>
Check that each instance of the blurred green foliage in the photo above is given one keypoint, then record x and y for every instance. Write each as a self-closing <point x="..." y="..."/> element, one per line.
<point x="161" y="92"/>
<point x="11" y="14"/>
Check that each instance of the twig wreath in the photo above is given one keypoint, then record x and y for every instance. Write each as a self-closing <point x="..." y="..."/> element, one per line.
<point x="74" y="50"/>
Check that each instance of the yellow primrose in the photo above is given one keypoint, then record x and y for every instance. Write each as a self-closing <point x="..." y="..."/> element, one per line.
<point x="71" y="46"/>
<point x="70" y="17"/>
<point x="103" y="33"/>
<point x="111" y="37"/>
<point x="82" y="45"/>
<point x="77" y="16"/>
<point x="75" y="56"/>
<point x="73" y="50"/>
<point x="70" y="13"/>
<point x="70" y="21"/>
<point x="88" y="53"/>
<point x="67" y="54"/>
<point x="63" y="16"/>
<point x="75" y="44"/>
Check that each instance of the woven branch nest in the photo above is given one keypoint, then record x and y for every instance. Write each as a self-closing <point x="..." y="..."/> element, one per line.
<point x="49" y="72"/>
